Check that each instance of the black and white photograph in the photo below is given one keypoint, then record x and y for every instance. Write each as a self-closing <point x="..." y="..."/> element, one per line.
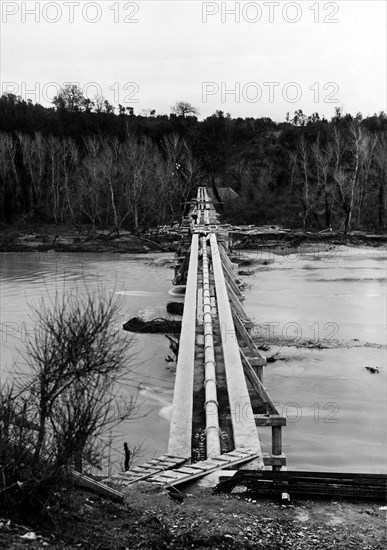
<point x="193" y="231"/>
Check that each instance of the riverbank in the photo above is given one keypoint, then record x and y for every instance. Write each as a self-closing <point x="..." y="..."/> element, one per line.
<point x="64" y="238"/>
<point x="68" y="239"/>
<point x="149" y="520"/>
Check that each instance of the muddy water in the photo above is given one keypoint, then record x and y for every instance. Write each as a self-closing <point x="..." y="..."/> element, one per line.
<point x="141" y="285"/>
<point x="335" y="408"/>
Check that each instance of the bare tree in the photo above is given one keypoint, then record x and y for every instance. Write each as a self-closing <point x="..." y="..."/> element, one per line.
<point x="323" y="159"/>
<point x="110" y="173"/>
<point x="68" y="170"/>
<point x="8" y="173"/>
<point x="348" y="172"/>
<point x="182" y="108"/>
<point x="34" y="160"/>
<point x="91" y="185"/>
<point x="381" y="164"/>
<point x="367" y="158"/>
<point x="53" y="149"/>
<point x="304" y="167"/>
<point x="75" y="358"/>
<point x="136" y="158"/>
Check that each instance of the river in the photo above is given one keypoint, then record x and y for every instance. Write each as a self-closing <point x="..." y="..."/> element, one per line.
<point x="335" y="408"/>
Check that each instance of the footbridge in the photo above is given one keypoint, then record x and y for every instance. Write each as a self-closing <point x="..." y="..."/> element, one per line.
<point x="220" y="406"/>
<point x="219" y="400"/>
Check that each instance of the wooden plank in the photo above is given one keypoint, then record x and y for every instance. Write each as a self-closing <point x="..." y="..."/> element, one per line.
<point x="226" y="259"/>
<point x="231" y="281"/>
<point x="204" y="465"/>
<point x="257" y="385"/>
<point x="271" y="489"/>
<point x="173" y="457"/>
<point x="160" y="479"/>
<point x="235" y="302"/>
<point x="306" y="474"/>
<point x="242" y="332"/>
<point x="173" y="474"/>
<point x="154" y="461"/>
<point x="166" y="464"/>
<point x="237" y="454"/>
<point x="145" y="471"/>
<point x="189" y="470"/>
<point x="195" y="467"/>
<point x="203" y="472"/>
<point x="221" y="459"/>
<point x="255" y="361"/>
<point x="148" y="465"/>
<point x="96" y="486"/>
<point x="309" y="484"/>
<point x="319" y="482"/>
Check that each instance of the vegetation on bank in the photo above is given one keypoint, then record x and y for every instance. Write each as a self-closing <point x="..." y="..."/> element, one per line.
<point x="81" y="163"/>
<point x="58" y="408"/>
<point x="151" y="521"/>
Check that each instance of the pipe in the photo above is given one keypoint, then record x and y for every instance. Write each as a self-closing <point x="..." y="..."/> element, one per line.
<point x="211" y="401"/>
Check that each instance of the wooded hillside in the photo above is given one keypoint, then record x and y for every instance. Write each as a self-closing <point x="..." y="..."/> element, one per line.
<point x="73" y="163"/>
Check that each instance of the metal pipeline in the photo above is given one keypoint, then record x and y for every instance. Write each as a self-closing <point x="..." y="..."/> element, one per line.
<point x="211" y="401"/>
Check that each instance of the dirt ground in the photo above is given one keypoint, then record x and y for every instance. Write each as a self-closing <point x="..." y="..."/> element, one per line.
<point x="149" y="519"/>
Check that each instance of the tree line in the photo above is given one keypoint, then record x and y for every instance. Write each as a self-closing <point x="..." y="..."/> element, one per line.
<point x="86" y="165"/>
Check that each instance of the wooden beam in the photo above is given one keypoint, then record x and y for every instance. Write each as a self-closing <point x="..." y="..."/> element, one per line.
<point x="276" y="443"/>
<point x="245" y="336"/>
<point x="309" y="484"/>
<point x="96" y="486"/>
<point x="266" y="420"/>
<point x="271" y="460"/>
<point x="257" y="385"/>
<point x="235" y="302"/>
<point x="272" y="420"/>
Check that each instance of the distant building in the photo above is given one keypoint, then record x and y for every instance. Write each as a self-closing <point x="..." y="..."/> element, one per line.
<point x="226" y="194"/>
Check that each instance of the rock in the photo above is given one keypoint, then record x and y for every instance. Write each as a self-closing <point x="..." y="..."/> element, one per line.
<point x="373" y="370"/>
<point x="136" y="324"/>
<point x="176" y="308"/>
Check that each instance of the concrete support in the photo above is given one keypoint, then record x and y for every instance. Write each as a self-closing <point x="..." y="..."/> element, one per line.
<point x="180" y="432"/>
<point x="244" y="431"/>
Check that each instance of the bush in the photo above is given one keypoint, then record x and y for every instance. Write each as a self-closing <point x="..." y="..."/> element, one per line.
<point x="58" y="415"/>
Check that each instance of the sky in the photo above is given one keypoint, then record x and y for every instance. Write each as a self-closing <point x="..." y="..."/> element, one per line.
<point x="249" y="59"/>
